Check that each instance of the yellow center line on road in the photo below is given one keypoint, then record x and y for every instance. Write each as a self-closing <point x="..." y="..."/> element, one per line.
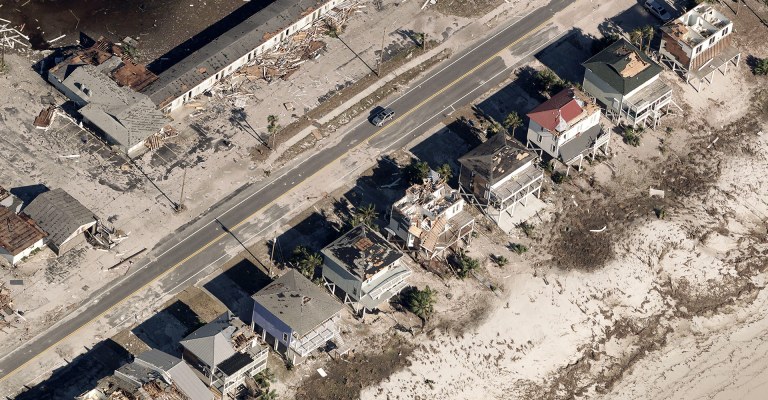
<point x="247" y="219"/>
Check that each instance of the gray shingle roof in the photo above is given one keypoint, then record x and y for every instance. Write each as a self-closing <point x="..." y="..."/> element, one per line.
<point x="227" y="48"/>
<point x="127" y="116"/>
<point x="297" y="302"/>
<point x="211" y="343"/>
<point x="59" y="214"/>
<point x="496" y="158"/>
<point x="362" y="251"/>
<point x="609" y="63"/>
<point x="180" y="372"/>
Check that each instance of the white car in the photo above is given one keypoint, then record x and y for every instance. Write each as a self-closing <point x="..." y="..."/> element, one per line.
<point x="657" y="10"/>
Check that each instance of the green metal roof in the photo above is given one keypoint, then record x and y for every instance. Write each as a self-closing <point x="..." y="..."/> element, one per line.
<point x="609" y="63"/>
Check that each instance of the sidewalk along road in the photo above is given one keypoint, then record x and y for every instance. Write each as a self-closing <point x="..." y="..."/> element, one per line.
<point x="194" y="247"/>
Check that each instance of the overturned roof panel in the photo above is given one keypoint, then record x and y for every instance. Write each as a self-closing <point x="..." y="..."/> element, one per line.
<point x="17" y="232"/>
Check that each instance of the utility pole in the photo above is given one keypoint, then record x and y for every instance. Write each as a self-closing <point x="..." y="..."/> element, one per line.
<point x="381" y="54"/>
<point x="180" y="204"/>
<point x="2" y="54"/>
<point x="272" y="256"/>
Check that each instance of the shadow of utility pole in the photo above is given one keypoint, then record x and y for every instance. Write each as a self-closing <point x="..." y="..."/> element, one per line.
<point x="264" y="267"/>
<point x="356" y="55"/>
<point x="175" y="205"/>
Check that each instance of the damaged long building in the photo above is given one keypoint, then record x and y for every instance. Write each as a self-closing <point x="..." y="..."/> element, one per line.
<point x="128" y="104"/>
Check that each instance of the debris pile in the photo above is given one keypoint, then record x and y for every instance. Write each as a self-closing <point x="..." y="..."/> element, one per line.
<point x="105" y="237"/>
<point x="157" y="139"/>
<point x="282" y="61"/>
<point x="11" y="38"/>
<point x="44" y="119"/>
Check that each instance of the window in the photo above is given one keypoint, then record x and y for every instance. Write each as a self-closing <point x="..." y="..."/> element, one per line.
<point x="712" y="40"/>
<point x="285" y="337"/>
<point x="539" y="138"/>
<point x="725" y="31"/>
<point x="553" y="148"/>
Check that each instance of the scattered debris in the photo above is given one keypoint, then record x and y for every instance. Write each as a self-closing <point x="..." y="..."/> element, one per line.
<point x="44" y="119"/>
<point x="284" y="60"/>
<point x="655" y="192"/>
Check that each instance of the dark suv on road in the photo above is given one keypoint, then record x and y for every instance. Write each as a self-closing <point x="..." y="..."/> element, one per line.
<point x="382" y="117"/>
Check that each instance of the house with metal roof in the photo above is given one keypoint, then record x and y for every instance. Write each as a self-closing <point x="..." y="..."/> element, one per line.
<point x="153" y="375"/>
<point x="62" y="217"/>
<point x="19" y="236"/>
<point x="699" y="43"/>
<point x="95" y="79"/>
<point x="628" y="83"/>
<point x="498" y="176"/>
<point x="365" y="267"/>
<point x="567" y="127"/>
<point x="296" y="315"/>
<point x="202" y="69"/>
<point x="227" y="352"/>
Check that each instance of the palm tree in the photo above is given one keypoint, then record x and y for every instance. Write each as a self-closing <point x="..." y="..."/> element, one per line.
<point x="512" y="122"/>
<point x="364" y="215"/>
<point x="422" y="303"/>
<point x="306" y="261"/>
<point x="264" y="378"/>
<point x="445" y="171"/>
<point x="648" y="33"/>
<point x="636" y="36"/>
<point x="416" y="172"/>
<point x="761" y="67"/>
<point x="268" y="394"/>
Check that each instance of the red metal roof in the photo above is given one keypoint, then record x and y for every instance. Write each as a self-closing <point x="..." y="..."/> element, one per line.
<point x="563" y="105"/>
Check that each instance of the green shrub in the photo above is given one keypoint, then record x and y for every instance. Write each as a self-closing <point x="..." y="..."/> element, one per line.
<point x="518" y="248"/>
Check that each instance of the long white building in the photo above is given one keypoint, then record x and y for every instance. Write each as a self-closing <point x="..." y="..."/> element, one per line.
<point x="221" y="57"/>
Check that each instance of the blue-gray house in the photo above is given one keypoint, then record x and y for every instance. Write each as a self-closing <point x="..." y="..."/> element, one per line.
<point x="366" y="268"/>
<point x="297" y="315"/>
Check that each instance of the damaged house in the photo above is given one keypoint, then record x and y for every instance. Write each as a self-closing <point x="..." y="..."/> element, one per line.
<point x="628" y="83"/>
<point x="567" y="127"/>
<point x="64" y="218"/>
<point x="698" y="43"/>
<point x="431" y="217"/>
<point x="227" y="352"/>
<point x="104" y="84"/>
<point x="19" y="236"/>
<point x="296" y="315"/>
<point x="153" y="375"/>
<point x="366" y="268"/>
<point x="499" y="176"/>
<point x="202" y="69"/>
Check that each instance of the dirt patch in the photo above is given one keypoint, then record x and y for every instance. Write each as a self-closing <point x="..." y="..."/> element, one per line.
<point x="347" y="376"/>
<point x="586" y="240"/>
<point x="338" y="96"/>
<point x="466" y="8"/>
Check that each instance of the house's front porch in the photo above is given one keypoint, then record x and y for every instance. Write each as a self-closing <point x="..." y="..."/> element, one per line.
<point x="505" y="198"/>
<point x="378" y="291"/>
<point x="584" y="144"/>
<point x="648" y="105"/>
<point x="302" y="347"/>
<point x="459" y="227"/>
<point x="719" y="63"/>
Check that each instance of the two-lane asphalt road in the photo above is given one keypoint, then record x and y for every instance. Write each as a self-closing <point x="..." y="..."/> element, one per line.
<point x="176" y="260"/>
